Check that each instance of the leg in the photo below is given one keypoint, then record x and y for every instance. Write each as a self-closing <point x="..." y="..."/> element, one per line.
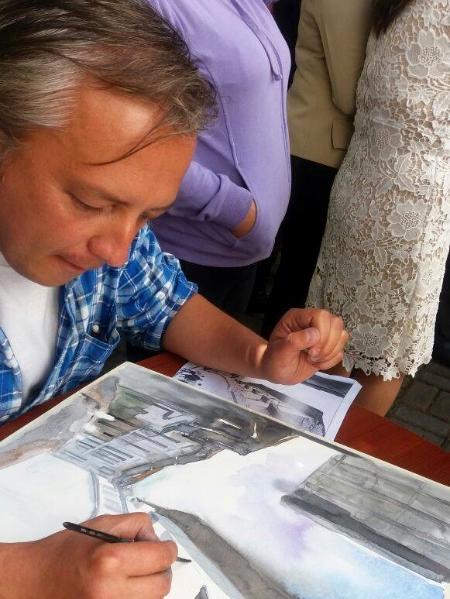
<point x="228" y="288"/>
<point x="242" y="282"/>
<point x="210" y="283"/>
<point x="260" y="294"/>
<point x="300" y="238"/>
<point x="287" y="14"/>
<point x="376" y="394"/>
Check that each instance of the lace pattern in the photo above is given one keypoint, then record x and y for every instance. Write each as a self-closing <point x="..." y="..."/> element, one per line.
<point x="387" y="239"/>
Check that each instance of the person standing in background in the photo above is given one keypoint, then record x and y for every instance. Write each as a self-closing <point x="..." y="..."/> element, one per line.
<point x="330" y="53"/>
<point x="383" y="256"/>
<point x="235" y="193"/>
<point x="287" y="14"/>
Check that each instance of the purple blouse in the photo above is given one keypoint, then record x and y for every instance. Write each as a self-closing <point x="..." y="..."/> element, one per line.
<point x="244" y="154"/>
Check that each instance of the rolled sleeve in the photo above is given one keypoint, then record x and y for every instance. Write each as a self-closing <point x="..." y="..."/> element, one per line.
<point x="208" y="196"/>
<point x="151" y="291"/>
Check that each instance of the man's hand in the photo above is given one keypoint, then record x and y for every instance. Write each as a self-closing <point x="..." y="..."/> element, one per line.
<point x="68" y="565"/>
<point x="303" y="342"/>
<point x="247" y="223"/>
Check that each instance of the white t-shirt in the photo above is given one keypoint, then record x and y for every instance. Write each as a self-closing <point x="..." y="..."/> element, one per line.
<point x="29" y="319"/>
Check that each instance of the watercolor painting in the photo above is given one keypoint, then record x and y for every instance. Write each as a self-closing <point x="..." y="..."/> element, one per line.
<point x="278" y="503"/>
<point x="263" y="511"/>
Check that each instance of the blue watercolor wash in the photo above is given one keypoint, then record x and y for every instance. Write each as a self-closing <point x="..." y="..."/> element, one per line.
<point x="378" y="579"/>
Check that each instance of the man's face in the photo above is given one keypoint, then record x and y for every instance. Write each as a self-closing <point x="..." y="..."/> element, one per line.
<point x="64" y="211"/>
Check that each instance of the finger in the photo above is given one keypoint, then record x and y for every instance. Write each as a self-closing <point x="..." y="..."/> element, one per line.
<point x="119" y="586"/>
<point x="156" y="586"/>
<point x="335" y="341"/>
<point x="284" y="360"/>
<point x="339" y="347"/>
<point x="129" y="526"/>
<point x="294" y="320"/>
<point x="334" y="336"/>
<point x="138" y="559"/>
<point x="336" y="359"/>
<point x="304" y="339"/>
<point x="321" y="320"/>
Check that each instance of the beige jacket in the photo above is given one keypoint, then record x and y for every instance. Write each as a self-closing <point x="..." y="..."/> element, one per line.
<point x="330" y="55"/>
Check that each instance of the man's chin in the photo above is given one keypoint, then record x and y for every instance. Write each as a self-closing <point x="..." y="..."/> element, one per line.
<point x="48" y="279"/>
<point x="49" y="271"/>
<point x="48" y="276"/>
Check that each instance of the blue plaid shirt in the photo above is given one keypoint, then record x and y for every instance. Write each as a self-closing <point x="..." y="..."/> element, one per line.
<point x="138" y="300"/>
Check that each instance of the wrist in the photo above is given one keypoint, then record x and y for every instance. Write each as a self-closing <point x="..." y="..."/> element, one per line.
<point x="255" y="359"/>
<point x="238" y="203"/>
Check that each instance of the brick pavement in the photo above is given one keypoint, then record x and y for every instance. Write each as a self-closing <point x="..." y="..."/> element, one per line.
<point x="423" y="404"/>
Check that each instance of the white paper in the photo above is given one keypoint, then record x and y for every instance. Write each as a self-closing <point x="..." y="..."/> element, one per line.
<point x="262" y="511"/>
<point x="318" y="405"/>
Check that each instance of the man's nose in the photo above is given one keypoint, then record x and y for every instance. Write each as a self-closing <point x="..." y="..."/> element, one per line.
<point x="113" y="244"/>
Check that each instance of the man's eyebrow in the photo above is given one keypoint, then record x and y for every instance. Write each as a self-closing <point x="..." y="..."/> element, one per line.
<point x="114" y="199"/>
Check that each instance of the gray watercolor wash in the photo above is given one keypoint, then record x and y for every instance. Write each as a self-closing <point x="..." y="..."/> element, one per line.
<point x="202" y="594"/>
<point x="399" y="516"/>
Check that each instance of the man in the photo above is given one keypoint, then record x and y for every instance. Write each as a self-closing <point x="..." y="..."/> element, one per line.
<point x="99" y="104"/>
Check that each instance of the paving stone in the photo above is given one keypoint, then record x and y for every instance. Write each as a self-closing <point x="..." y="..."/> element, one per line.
<point x="435" y="380"/>
<point x="425" y="422"/>
<point x="407" y="382"/>
<point x="393" y="410"/>
<point x="408" y="407"/>
<point x="436" y="439"/>
<point x="419" y="396"/>
<point x="437" y="369"/>
<point x="432" y="438"/>
<point x="441" y="406"/>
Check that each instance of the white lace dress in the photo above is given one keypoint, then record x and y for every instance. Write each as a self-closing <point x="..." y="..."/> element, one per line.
<point x="383" y="254"/>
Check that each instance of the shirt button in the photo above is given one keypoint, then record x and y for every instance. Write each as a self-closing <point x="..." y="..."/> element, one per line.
<point x="95" y="329"/>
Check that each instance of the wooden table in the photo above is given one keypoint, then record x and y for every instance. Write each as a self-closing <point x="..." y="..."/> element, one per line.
<point x="360" y="430"/>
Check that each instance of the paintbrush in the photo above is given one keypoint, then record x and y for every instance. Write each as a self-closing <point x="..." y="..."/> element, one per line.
<point x="106" y="537"/>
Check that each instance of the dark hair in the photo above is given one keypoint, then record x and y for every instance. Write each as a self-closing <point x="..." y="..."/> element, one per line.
<point x="385" y="11"/>
<point x="49" y="47"/>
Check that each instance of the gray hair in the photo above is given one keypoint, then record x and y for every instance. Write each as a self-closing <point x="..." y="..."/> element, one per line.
<point x="48" y="47"/>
